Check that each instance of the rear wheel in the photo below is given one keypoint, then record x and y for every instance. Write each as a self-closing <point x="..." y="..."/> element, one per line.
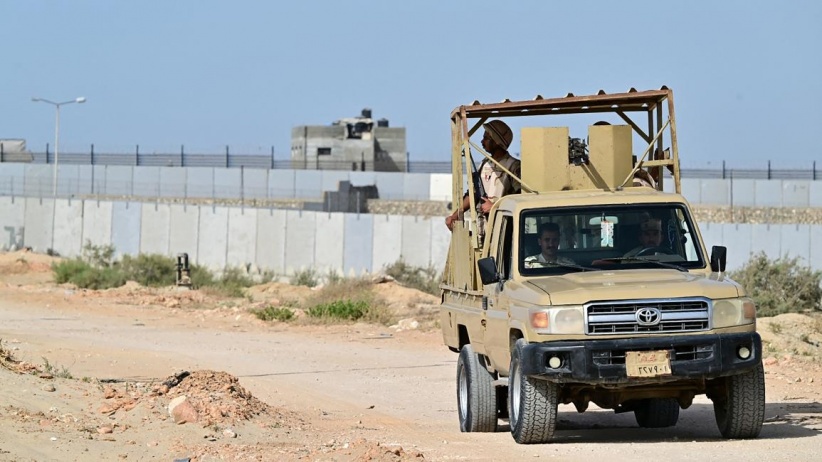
<point x="476" y="397"/>
<point x="740" y="410"/>
<point x="533" y="414"/>
<point x="657" y="412"/>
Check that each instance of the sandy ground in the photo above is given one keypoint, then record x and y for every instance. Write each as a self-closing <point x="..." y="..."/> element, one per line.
<point x="254" y="390"/>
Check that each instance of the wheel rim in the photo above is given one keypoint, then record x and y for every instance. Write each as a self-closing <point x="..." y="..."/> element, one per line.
<point x="463" y="393"/>
<point x="515" y="387"/>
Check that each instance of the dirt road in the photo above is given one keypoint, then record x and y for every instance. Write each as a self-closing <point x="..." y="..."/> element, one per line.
<point x="342" y="385"/>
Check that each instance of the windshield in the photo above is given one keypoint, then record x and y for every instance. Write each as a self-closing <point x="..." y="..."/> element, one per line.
<point x="561" y="240"/>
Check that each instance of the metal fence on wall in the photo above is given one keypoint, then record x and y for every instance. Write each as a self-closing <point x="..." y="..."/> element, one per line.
<point x="231" y="160"/>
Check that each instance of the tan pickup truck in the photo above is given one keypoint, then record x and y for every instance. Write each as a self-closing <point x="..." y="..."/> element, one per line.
<point x="593" y="283"/>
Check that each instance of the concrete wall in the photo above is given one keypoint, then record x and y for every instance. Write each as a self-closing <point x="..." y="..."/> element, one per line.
<point x="286" y="241"/>
<point x="35" y="180"/>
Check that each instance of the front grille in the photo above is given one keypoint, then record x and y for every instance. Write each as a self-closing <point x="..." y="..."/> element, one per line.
<point x="679" y="353"/>
<point x="688" y="315"/>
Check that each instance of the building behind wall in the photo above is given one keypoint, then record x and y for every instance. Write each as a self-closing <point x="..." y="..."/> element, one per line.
<point x="354" y="143"/>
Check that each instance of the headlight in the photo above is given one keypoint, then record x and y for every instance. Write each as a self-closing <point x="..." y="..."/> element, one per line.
<point x="561" y="320"/>
<point x="733" y="312"/>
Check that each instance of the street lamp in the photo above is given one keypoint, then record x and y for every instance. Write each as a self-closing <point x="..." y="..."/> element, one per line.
<point x="57" y="132"/>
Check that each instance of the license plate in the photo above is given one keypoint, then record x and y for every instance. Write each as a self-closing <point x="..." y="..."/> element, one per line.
<point x="647" y="363"/>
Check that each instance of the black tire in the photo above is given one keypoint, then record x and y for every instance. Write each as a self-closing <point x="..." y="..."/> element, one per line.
<point x="740" y="410"/>
<point x="657" y="412"/>
<point x="533" y="404"/>
<point x="476" y="397"/>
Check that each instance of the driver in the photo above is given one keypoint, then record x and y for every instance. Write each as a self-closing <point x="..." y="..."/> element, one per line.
<point x="548" y="243"/>
<point x="650" y="236"/>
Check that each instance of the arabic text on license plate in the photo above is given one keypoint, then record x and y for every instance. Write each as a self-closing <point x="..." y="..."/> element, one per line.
<point x="647" y="363"/>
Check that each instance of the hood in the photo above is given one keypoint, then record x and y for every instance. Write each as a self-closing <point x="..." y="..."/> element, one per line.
<point x="580" y="288"/>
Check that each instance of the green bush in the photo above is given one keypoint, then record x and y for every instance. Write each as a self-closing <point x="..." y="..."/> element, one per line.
<point x="274" y="313"/>
<point x="422" y="279"/>
<point x="306" y="278"/>
<point x="780" y="286"/>
<point x="150" y="269"/>
<point x="348" y="310"/>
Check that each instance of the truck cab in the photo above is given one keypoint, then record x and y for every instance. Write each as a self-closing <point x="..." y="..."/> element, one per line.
<point x="593" y="284"/>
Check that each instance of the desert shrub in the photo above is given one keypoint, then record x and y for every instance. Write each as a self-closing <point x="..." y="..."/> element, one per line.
<point x="348" y="310"/>
<point x="274" y="313"/>
<point x="423" y="279"/>
<point x="149" y="269"/>
<point x="307" y="277"/>
<point x="350" y="299"/>
<point x="780" y="286"/>
<point x="99" y="256"/>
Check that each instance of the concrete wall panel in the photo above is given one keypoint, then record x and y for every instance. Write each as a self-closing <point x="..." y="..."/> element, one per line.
<point x="39" y="223"/>
<point x="125" y="227"/>
<point x="38" y="180"/>
<point x="440" y="187"/>
<point x="416" y="241"/>
<point x="329" y="243"/>
<point x="307" y="184"/>
<point x="795" y="193"/>
<point x="359" y="243"/>
<point x="148" y="182"/>
<point x="242" y="236"/>
<point x="212" y="232"/>
<point x="12" y="222"/>
<point x="68" y="234"/>
<point x="68" y="179"/>
<point x="227" y="182"/>
<point x="119" y="180"/>
<point x="815" y="194"/>
<point x="301" y="240"/>
<point x="416" y="186"/>
<point x="172" y="182"/>
<point x="737" y="238"/>
<point x="816" y="247"/>
<point x="271" y="239"/>
<point x="281" y="184"/>
<point x="97" y="222"/>
<point x="84" y="179"/>
<point x="183" y="234"/>
<point x="358" y="179"/>
<point x="12" y="177"/>
<point x="155" y="226"/>
<point x="743" y="193"/>
<point x="767" y="238"/>
<point x="331" y="179"/>
<point x="387" y="240"/>
<point x="714" y="192"/>
<point x="200" y="182"/>
<point x="255" y="183"/>
<point x="692" y="189"/>
<point x="795" y="241"/>
<point x="389" y="185"/>
<point x="440" y="240"/>
<point x="768" y="193"/>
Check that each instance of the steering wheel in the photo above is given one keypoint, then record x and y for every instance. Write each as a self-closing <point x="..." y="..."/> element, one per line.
<point x="654" y="250"/>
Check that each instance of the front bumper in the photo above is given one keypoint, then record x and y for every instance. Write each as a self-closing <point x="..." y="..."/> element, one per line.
<point x="603" y="361"/>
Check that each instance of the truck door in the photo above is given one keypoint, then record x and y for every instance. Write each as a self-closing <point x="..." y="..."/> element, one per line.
<point x="494" y="300"/>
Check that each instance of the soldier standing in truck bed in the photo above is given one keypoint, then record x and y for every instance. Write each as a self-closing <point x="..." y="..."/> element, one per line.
<point x="495" y="181"/>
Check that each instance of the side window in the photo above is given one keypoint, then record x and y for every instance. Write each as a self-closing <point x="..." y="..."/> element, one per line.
<point x="504" y="257"/>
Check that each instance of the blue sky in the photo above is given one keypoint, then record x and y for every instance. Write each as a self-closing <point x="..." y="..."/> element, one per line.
<point x="747" y="75"/>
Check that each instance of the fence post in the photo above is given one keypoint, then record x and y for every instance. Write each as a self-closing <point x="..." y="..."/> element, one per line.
<point x="272" y="157"/>
<point x="1" y="152"/>
<point x="226" y="156"/>
<point x="47" y="153"/>
<point x="723" y="169"/>
<point x="182" y="152"/>
<point x="92" y="155"/>
<point x="769" y="170"/>
<point x="814" y="170"/>
<point x="137" y="155"/>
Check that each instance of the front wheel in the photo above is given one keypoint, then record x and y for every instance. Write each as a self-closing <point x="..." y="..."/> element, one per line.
<point x="476" y="396"/>
<point x="533" y="414"/>
<point x="740" y="409"/>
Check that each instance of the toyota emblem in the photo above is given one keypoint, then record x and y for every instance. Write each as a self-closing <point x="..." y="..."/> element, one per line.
<point x="648" y="316"/>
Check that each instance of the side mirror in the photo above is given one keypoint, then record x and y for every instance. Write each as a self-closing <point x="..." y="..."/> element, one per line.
<point x="719" y="256"/>
<point x="488" y="270"/>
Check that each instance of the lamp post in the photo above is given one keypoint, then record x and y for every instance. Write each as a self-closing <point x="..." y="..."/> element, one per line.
<point x="57" y="133"/>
